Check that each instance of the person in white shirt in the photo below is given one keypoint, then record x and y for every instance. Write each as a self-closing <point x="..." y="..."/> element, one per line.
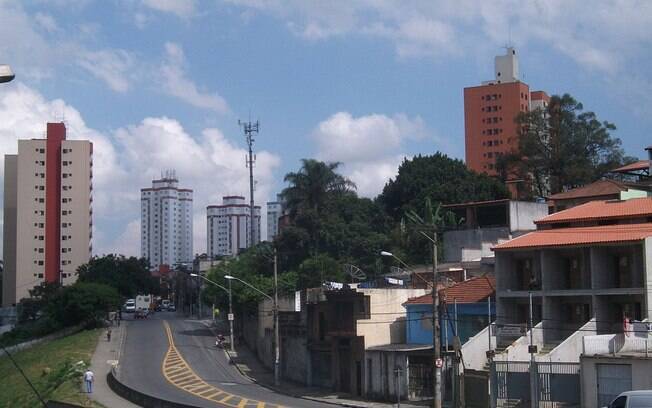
<point x="89" y="377"/>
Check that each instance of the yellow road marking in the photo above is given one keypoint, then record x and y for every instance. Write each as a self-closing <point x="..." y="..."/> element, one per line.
<point x="179" y="373"/>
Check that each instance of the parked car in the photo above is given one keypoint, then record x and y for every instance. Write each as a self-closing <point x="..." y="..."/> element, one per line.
<point x="130" y="306"/>
<point x="172" y="307"/>
<point x="165" y="304"/>
<point x="633" y="399"/>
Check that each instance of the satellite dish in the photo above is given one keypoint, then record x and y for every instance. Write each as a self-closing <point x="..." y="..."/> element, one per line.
<point x="354" y="272"/>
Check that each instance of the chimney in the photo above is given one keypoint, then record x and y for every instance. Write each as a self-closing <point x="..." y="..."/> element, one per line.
<point x="649" y="159"/>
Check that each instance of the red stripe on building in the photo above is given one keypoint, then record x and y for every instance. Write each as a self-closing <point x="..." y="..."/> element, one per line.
<point x="56" y="134"/>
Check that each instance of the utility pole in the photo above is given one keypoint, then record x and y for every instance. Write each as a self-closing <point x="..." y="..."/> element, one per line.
<point x="231" y="317"/>
<point x="437" y="398"/>
<point x="251" y="129"/>
<point x="533" y="366"/>
<point x="277" y="381"/>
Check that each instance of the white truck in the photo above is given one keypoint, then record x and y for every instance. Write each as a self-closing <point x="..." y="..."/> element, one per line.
<point x="143" y="306"/>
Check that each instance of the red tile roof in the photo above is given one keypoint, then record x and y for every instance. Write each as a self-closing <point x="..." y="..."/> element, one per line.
<point x="636" y="166"/>
<point x="597" y="189"/>
<point x="602" y="210"/>
<point x="579" y="236"/>
<point x="473" y="290"/>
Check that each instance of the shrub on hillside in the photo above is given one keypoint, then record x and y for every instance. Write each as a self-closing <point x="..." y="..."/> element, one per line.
<point x="83" y="303"/>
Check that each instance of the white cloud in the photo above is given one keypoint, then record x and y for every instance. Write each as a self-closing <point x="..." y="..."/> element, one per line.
<point x="368" y="146"/>
<point x="35" y="56"/>
<point x="46" y="21"/>
<point x="371" y="177"/>
<point x="344" y="138"/>
<point x="181" y="8"/>
<point x="177" y="84"/>
<point x="600" y="37"/>
<point x="127" y="159"/>
<point x="111" y="66"/>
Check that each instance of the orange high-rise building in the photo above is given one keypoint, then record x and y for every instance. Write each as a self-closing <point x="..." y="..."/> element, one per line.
<point x="490" y="111"/>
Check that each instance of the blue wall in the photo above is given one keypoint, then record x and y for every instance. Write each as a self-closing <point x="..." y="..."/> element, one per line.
<point x="471" y="318"/>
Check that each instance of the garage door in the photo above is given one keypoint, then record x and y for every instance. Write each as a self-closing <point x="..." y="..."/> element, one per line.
<point x="612" y="380"/>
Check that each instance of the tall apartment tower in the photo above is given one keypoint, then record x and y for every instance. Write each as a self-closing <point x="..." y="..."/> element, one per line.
<point x="490" y="111"/>
<point x="48" y="212"/>
<point x="274" y="212"/>
<point x="166" y="222"/>
<point x="228" y="226"/>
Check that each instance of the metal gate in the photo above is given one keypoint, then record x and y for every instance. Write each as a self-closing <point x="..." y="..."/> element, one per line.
<point x="420" y="381"/>
<point x="612" y="380"/>
<point x="557" y="384"/>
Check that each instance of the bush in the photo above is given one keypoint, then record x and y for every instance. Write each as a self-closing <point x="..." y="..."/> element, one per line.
<point x="86" y="303"/>
<point x="29" y="330"/>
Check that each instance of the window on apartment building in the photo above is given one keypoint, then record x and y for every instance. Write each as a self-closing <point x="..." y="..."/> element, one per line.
<point x="40" y="263"/>
<point x="41" y="250"/>
<point x="41" y="200"/>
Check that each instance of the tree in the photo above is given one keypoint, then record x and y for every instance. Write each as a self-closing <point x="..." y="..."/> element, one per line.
<point x="83" y="303"/>
<point x="312" y="186"/>
<point x="562" y="147"/>
<point x="129" y="276"/>
<point x="441" y="179"/>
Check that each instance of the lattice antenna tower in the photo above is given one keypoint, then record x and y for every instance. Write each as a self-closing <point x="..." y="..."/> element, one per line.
<point x="251" y="132"/>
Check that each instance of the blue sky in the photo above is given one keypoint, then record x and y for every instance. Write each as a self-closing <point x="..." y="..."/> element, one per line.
<point x="160" y="84"/>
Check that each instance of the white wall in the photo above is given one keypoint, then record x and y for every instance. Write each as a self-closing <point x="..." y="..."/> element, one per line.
<point x="641" y="378"/>
<point x="475" y="350"/>
<point x="387" y="322"/>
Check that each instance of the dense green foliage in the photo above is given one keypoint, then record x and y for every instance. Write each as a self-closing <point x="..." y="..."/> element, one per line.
<point x="51" y="307"/>
<point x="129" y="276"/>
<point x="83" y="303"/>
<point x="562" y="147"/>
<point x="440" y="179"/>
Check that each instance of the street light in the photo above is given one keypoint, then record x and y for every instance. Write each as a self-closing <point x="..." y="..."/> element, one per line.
<point x="6" y="74"/>
<point x="274" y="299"/>
<point x="436" y="341"/>
<point x="230" y="305"/>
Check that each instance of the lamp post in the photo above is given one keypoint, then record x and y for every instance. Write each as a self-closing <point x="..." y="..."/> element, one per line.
<point x="6" y="74"/>
<point x="438" y="363"/>
<point x="274" y="299"/>
<point x="230" y="305"/>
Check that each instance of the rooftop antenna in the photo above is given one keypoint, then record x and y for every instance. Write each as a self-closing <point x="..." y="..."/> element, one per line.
<point x="251" y="131"/>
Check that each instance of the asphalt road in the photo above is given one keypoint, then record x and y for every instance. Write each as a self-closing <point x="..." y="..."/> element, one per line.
<point x="194" y="363"/>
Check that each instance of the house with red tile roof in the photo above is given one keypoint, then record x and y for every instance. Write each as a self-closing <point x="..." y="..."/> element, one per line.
<point x="464" y="311"/>
<point x="606" y="189"/>
<point x="587" y="268"/>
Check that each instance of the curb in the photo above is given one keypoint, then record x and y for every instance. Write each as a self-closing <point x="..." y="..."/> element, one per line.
<point x="140" y="398"/>
<point x="279" y="390"/>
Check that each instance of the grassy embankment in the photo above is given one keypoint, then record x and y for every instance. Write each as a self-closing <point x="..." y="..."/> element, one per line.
<point x="50" y="367"/>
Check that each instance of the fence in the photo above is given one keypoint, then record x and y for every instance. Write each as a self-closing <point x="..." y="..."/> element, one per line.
<point x="557" y="384"/>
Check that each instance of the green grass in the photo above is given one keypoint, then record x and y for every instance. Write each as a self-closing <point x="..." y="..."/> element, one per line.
<point x="61" y="383"/>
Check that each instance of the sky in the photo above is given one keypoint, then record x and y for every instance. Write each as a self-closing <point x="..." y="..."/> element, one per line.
<point x="161" y="84"/>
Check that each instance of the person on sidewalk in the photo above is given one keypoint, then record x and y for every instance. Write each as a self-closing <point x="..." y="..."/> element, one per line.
<point x="108" y="334"/>
<point x="89" y="378"/>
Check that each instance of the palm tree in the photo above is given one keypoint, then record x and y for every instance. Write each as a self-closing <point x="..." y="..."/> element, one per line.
<point x="312" y="185"/>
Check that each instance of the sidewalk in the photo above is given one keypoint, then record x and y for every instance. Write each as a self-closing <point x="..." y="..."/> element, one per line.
<point x="105" y="356"/>
<point x="249" y="366"/>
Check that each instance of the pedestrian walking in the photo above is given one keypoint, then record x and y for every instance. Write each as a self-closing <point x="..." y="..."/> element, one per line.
<point x="108" y="335"/>
<point x="89" y="378"/>
<point x="117" y="318"/>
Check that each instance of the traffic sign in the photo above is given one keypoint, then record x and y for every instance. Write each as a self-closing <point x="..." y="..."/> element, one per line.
<point x="439" y="363"/>
<point x="231" y="317"/>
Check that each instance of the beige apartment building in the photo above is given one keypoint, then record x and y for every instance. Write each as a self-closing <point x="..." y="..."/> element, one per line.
<point x="48" y="212"/>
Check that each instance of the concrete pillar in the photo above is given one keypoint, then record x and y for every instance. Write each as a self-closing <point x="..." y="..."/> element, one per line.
<point x="647" y="274"/>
